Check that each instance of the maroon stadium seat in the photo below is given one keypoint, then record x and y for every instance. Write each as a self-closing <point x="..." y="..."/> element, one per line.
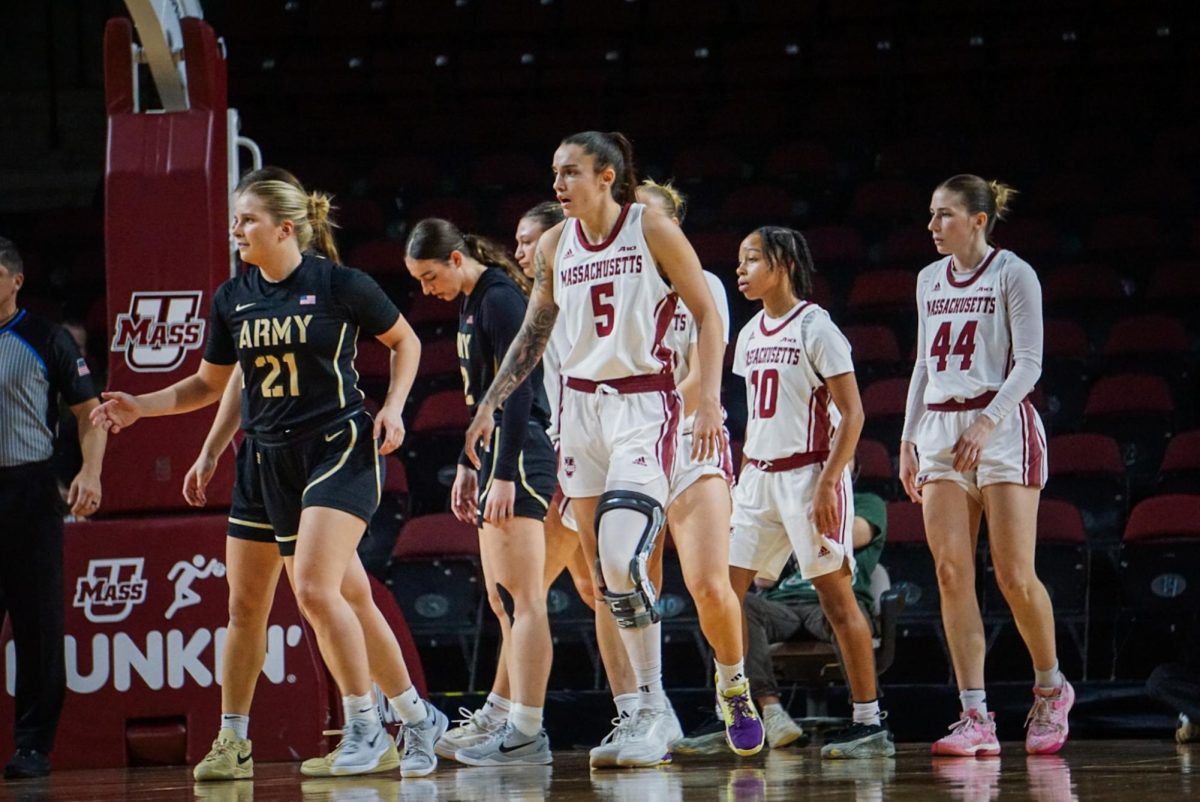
<point x="1180" y="469"/>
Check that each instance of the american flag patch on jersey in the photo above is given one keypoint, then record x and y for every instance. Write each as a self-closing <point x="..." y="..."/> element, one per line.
<point x="82" y="366"/>
<point x="307" y="300"/>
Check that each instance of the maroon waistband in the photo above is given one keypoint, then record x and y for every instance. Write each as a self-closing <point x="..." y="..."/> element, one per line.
<point x="790" y="462"/>
<point x="649" y="383"/>
<point x="978" y="402"/>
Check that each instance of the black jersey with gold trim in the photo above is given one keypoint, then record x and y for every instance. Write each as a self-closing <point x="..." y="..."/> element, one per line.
<point x="296" y="340"/>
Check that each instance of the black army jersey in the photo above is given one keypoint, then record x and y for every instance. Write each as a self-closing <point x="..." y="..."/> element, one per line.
<point x="488" y="320"/>
<point x="295" y="341"/>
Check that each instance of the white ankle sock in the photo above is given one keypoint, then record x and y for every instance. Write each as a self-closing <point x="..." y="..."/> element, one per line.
<point x="410" y="706"/>
<point x="238" y="723"/>
<point x="496" y="708"/>
<point x="527" y="720"/>
<point x="867" y="712"/>
<point x="974" y="699"/>
<point x="1049" y="680"/>
<point x="728" y="676"/>
<point x="644" y="647"/>
<point x="361" y="708"/>
<point x="627" y="704"/>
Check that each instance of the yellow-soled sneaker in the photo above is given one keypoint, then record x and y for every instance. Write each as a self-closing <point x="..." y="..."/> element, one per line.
<point x="320" y="766"/>
<point x="229" y="759"/>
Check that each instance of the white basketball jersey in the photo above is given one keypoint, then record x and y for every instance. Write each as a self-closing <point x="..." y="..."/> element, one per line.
<point x="968" y="339"/>
<point x="615" y="307"/>
<point x="556" y="347"/>
<point x="683" y="332"/>
<point x="785" y="363"/>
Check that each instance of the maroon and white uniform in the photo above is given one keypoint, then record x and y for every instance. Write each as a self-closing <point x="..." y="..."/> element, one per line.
<point x="552" y="381"/>
<point x="789" y="431"/>
<point x="979" y="351"/>
<point x="619" y="411"/>
<point x="682" y="335"/>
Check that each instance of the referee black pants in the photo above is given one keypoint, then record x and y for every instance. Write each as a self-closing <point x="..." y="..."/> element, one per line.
<point x="31" y="592"/>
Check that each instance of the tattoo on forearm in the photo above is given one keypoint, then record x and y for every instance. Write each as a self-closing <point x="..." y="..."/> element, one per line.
<point x="530" y="343"/>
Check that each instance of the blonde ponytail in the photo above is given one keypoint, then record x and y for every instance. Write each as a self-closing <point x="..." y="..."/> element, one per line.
<point x="320" y="209"/>
<point x="1002" y="195"/>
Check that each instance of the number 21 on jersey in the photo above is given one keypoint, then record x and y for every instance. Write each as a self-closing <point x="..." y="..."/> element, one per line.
<point x="272" y="387"/>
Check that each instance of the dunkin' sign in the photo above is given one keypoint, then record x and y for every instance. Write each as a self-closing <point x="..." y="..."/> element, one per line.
<point x="146" y="604"/>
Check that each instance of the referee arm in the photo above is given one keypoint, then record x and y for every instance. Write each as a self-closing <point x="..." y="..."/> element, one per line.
<point x="85" y="494"/>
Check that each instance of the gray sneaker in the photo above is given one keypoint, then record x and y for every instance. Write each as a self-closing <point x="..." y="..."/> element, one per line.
<point x="364" y="744"/>
<point x="859" y="741"/>
<point x="418" y="757"/>
<point x="508" y="747"/>
<point x="472" y="730"/>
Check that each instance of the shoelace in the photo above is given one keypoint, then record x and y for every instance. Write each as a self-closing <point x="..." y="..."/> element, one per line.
<point x="1039" y="714"/>
<point x="219" y="750"/>
<point x="471" y="718"/>
<point x="740" y="706"/>
<point x="644" y="721"/>
<point x="965" y="723"/>
<point x="619" y="731"/>
<point x="337" y="749"/>
<point x="412" y="748"/>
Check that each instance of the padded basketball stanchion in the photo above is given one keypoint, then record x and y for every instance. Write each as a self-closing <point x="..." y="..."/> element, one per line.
<point x="167" y="249"/>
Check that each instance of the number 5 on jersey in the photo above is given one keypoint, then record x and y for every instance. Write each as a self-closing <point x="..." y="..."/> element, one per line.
<point x="603" y="309"/>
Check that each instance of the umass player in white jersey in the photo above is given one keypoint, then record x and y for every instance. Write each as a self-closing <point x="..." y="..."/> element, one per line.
<point x="794" y="497"/>
<point x="562" y="532"/>
<point x="974" y="446"/>
<point x="699" y="509"/>
<point x="614" y="272"/>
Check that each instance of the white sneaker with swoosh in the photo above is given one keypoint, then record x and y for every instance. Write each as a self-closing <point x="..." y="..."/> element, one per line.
<point x="508" y="746"/>
<point x="364" y="743"/>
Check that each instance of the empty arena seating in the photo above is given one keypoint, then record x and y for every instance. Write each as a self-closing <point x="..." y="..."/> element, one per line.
<point x="1088" y="471"/>
<point x="435" y="439"/>
<point x="1136" y="409"/>
<point x="1155" y="343"/>
<point x="909" y="562"/>
<point x="1159" y="577"/>
<point x="1180" y="469"/>
<point x="876" y="352"/>
<point x="883" y="402"/>
<point x="875" y="471"/>
<point x="436" y="576"/>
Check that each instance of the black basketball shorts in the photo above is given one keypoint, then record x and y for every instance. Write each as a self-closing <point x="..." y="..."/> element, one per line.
<point x="337" y="466"/>
<point x="537" y="474"/>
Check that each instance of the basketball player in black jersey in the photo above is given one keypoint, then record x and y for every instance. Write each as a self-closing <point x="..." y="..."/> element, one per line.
<point x="253" y="560"/>
<point x="291" y="325"/>
<point x="509" y="496"/>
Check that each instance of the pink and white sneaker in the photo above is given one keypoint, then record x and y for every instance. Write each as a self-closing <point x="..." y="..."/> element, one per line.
<point x="1046" y="726"/>
<point x="973" y="735"/>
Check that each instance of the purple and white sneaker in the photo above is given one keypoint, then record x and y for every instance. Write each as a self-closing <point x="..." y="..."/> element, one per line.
<point x="743" y="728"/>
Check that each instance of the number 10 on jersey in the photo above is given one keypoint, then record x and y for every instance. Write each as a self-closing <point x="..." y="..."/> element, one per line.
<point x="764" y="389"/>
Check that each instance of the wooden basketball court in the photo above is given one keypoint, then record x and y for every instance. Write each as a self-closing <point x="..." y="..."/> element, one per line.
<point x="1087" y="770"/>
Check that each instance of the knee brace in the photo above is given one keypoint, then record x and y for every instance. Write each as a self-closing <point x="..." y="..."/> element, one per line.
<point x="637" y="608"/>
